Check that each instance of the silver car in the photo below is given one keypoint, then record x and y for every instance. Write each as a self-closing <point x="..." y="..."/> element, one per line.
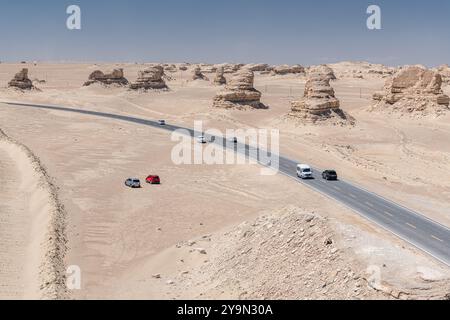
<point x="133" y="183"/>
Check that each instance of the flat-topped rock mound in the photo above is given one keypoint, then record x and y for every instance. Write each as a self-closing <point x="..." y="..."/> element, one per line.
<point x="319" y="103"/>
<point x="231" y="67"/>
<point x="150" y="79"/>
<point x="259" y="67"/>
<point x="198" y="75"/>
<point x="21" y="81"/>
<point x="172" y="68"/>
<point x="208" y="68"/>
<point x="285" y="69"/>
<point x="220" y="78"/>
<point x="116" y="77"/>
<point x="413" y="90"/>
<point x="240" y="93"/>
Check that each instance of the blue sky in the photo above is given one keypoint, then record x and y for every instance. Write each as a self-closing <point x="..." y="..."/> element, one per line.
<point x="283" y="31"/>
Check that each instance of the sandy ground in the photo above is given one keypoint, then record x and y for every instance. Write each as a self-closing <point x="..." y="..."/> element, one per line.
<point x="121" y="237"/>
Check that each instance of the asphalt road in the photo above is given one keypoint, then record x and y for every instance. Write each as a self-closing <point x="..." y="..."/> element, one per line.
<point x="414" y="228"/>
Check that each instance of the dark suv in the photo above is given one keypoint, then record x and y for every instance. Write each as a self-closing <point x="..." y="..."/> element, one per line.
<point x="329" y="175"/>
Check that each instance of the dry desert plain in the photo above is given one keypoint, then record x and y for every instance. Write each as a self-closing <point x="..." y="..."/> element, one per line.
<point x="208" y="231"/>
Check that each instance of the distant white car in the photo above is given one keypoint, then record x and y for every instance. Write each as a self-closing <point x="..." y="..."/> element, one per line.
<point x="304" y="171"/>
<point x="201" y="139"/>
<point x="162" y="122"/>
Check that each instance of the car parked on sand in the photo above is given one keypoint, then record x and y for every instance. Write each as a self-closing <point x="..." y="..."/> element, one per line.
<point x="133" y="183"/>
<point x="304" y="171"/>
<point x="153" y="179"/>
<point x="330" y="175"/>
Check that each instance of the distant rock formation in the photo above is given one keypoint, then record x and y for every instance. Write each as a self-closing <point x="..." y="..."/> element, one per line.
<point x="171" y="68"/>
<point x="114" y="78"/>
<point x="239" y="93"/>
<point x="285" y="69"/>
<point x="444" y="71"/>
<point x="413" y="89"/>
<point x="319" y="102"/>
<point x="361" y="70"/>
<point x="231" y="68"/>
<point x="324" y="70"/>
<point x="260" y="67"/>
<point x="198" y="75"/>
<point x="21" y="81"/>
<point x="220" y="79"/>
<point x="150" y="79"/>
<point x="208" y="68"/>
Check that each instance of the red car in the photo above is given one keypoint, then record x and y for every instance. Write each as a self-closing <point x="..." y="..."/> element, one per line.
<point x="153" y="179"/>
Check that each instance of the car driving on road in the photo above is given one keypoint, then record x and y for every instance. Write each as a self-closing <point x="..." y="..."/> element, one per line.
<point x="162" y="122"/>
<point x="304" y="171"/>
<point x="133" y="183"/>
<point x="330" y="175"/>
<point x="201" y="139"/>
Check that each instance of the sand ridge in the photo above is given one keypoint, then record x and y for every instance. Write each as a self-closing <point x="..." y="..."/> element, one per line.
<point x="40" y="228"/>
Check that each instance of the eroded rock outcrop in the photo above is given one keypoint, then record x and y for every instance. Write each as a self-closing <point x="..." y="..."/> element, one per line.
<point x="444" y="71"/>
<point x="239" y="93"/>
<point x="198" y="75"/>
<point x="116" y="77"/>
<point x="231" y="68"/>
<point x="220" y="79"/>
<point x="285" y="69"/>
<point x="21" y="81"/>
<point x="413" y="89"/>
<point x="319" y="102"/>
<point x="259" y="67"/>
<point x="171" y="68"/>
<point x="150" y="79"/>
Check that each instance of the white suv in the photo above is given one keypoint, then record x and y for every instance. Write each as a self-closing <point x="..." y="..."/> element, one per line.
<point x="304" y="171"/>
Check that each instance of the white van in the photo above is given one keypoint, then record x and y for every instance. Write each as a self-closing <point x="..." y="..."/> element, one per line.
<point x="304" y="171"/>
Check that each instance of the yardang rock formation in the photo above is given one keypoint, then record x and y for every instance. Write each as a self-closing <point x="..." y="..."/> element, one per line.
<point x="150" y="79"/>
<point x="413" y="89"/>
<point x="220" y="79"/>
<point x="285" y="69"/>
<point x="21" y="81"/>
<point x="198" y="75"/>
<point x="240" y="93"/>
<point x="319" y="102"/>
<point x="114" y="78"/>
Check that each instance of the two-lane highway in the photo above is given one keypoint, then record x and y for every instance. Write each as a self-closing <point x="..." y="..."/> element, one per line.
<point x="425" y="234"/>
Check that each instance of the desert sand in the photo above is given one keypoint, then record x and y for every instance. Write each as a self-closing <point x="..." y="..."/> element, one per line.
<point x="172" y="241"/>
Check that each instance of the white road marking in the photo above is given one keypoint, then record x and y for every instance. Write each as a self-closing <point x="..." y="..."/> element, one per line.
<point x="411" y="225"/>
<point x="352" y="195"/>
<point x="337" y="188"/>
<point x="436" y="238"/>
<point x="388" y="213"/>
<point x="369" y="204"/>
